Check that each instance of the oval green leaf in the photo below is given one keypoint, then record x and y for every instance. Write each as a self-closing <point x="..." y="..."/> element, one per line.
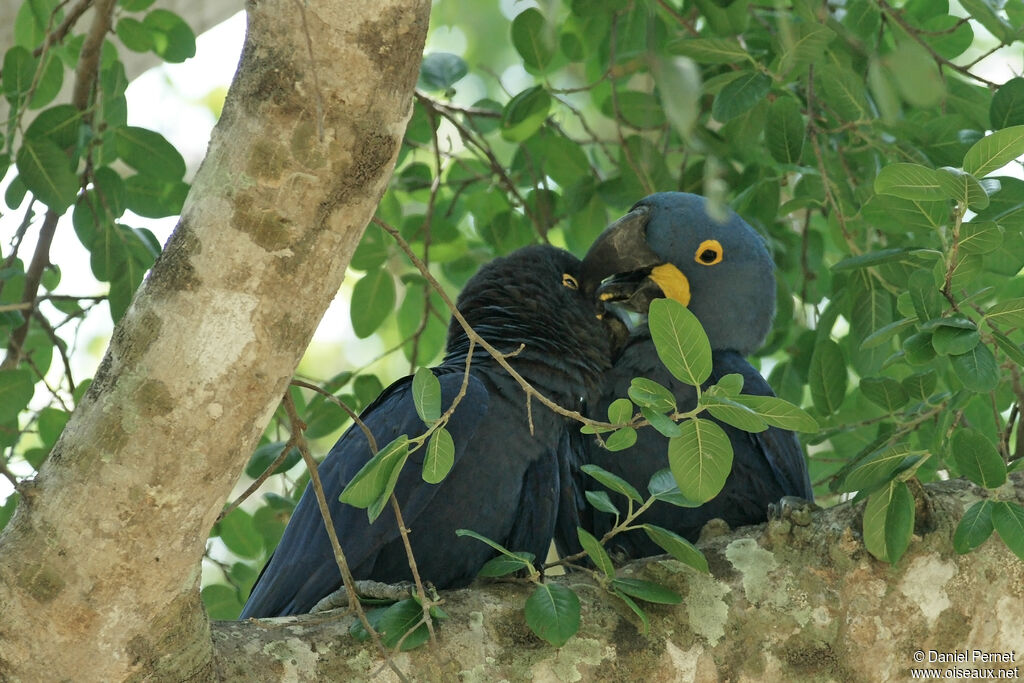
<point x="700" y="459"/>
<point x="440" y="457"/>
<point x="974" y="528"/>
<point x="677" y="546"/>
<point x="681" y="343"/>
<point x="553" y="613"/>
<point x="977" y="458"/>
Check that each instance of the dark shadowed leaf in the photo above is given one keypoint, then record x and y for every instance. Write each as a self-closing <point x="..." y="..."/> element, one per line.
<point x="441" y="70"/>
<point x="977" y="458"/>
<point x="1008" y="519"/>
<point x="553" y="613"/>
<point x="974" y="528"/>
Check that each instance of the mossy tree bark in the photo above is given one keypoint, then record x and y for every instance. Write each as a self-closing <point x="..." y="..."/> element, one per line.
<point x="782" y="603"/>
<point x="99" y="568"/>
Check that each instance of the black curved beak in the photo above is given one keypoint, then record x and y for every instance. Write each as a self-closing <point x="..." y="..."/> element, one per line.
<point x="621" y="248"/>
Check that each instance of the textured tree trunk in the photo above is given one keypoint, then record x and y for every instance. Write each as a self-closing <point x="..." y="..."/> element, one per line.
<point x="782" y="603"/>
<point x="99" y="569"/>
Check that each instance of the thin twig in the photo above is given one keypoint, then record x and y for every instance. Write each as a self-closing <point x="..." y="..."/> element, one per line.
<point x="339" y="555"/>
<point x="498" y="356"/>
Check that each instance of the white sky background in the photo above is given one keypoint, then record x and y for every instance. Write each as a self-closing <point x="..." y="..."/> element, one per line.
<point x="169" y="99"/>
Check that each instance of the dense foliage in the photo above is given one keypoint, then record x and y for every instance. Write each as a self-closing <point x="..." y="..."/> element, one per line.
<point x="864" y="139"/>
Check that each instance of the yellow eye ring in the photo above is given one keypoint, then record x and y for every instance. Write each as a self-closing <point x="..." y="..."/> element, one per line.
<point x="709" y="253"/>
<point x="569" y="281"/>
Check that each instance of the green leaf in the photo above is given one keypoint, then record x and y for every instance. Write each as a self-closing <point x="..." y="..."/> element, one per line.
<point x="399" y="619"/>
<point x="134" y="34"/>
<point x="889" y="522"/>
<point x="802" y="45"/>
<point x="779" y="412"/>
<point x="152" y="197"/>
<point x="612" y="482"/>
<point x="525" y="114"/>
<point x="983" y="11"/>
<point x="621" y="439"/>
<point x="677" y="546"/>
<point x="920" y="385"/>
<point x="1008" y="519"/>
<point x="954" y="340"/>
<point x="46" y="171"/>
<point x="239" y="534"/>
<point x="885" y="392"/>
<point x="1009" y="313"/>
<point x="60" y="124"/>
<point x="601" y="501"/>
<point x="974" y="528"/>
<point x="977" y="369"/>
<point x="148" y="152"/>
<point x="680" y="341"/>
<point x="980" y="237"/>
<point x="553" y="613"/>
<point x="440" y="456"/>
<point x="729" y="385"/>
<point x="785" y="131"/>
<point x="909" y="181"/>
<point x="373" y="483"/>
<point x="700" y="459"/>
<point x="497" y="546"/>
<point x="1008" y="347"/>
<point x="648" y="393"/>
<point x="503" y="565"/>
<point x="221" y="601"/>
<point x="661" y="422"/>
<point x="879" y="468"/>
<point x="620" y="411"/>
<point x="16" y="389"/>
<point x="884" y="334"/>
<point x="266" y="454"/>
<point x="18" y="71"/>
<point x="1007" y="108"/>
<point x="733" y="413"/>
<point x="373" y="300"/>
<point x="918" y="348"/>
<point x="827" y="377"/>
<point x="877" y="258"/>
<point x="426" y="395"/>
<point x="977" y="458"/>
<point x="647" y="591"/>
<point x="740" y="95"/>
<point x="172" y="38"/>
<point x="994" y="151"/>
<point x="663" y="487"/>
<point x="533" y="38"/>
<point x="596" y="552"/>
<point x="711" y="50"/>
<point x="636" y="610"/>
<point x="441" y="70"/>
<point x="962" y="187"/>
<point x="678" y="87"/>
<point x="51" y="423"/>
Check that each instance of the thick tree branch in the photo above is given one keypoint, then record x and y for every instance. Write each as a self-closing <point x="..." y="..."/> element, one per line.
<point x="782" y="602"/>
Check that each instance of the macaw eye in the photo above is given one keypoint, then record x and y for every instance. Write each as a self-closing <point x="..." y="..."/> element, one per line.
<point x="569" y="281"/>
<point x="709" y="253"/>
